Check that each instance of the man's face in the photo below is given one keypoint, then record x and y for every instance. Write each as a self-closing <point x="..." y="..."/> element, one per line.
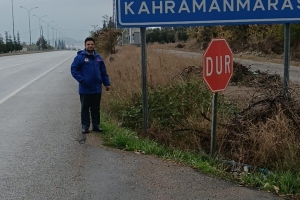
<point x="89" y="45"/>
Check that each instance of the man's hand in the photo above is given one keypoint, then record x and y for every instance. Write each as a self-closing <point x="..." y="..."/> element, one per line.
<point x="107" y="88"/>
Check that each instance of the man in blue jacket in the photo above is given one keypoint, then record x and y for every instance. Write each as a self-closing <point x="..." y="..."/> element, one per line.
<point x="89" y="70"/>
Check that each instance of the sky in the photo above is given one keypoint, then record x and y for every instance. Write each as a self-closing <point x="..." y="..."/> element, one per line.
<point x="73" y="18"/>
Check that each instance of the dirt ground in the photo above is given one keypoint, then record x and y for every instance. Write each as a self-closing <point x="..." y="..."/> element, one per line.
<point x="192" y="46"/>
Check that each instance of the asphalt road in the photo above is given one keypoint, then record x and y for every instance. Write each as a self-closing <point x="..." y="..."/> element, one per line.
<point x="38" y="118"/>
<point x="40" y="157"/>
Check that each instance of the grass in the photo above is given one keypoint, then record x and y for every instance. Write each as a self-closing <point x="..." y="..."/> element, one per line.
<point x="281" y="183"/>
<point x="287" y="183"/>
<point x="128" y="140"/>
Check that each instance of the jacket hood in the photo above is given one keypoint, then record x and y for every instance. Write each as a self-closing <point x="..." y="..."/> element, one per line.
<point x="84" y="52"/>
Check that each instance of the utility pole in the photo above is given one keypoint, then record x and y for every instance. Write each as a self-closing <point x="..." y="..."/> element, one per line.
<point x="53" y="27"/>
<point x="28" y="10"/>
<point x="40" y="23"/>
<point x="48" y="41"/>
<point x="56" y="42"/>
<point x="13" y="18"/>
<point x="114" y="13"/>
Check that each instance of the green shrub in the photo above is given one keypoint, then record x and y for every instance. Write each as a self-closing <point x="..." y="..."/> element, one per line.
<point x="171" y="105"/>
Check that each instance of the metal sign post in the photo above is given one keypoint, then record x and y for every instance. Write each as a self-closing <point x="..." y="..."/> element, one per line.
<point x="144" y="79"/>
<point x="286" y="75"/>
<point x="214" y="124"/>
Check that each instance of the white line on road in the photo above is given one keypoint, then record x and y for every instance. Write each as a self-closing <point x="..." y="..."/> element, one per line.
<point x="12" y="66"/>
<point x="26" y="85"/>
<point x="26" y="62"/>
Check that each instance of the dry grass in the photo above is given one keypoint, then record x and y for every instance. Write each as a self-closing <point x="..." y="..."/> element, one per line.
<point x="190" y="45"/>
<point x="193" y="134"/>
<point x="264" y="143"/>
<point x="125" y="70"/>
<point x="266" y="132"/>
<point x="273" y="140"/>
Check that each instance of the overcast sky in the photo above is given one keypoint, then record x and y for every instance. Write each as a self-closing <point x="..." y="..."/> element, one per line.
<point x="74" y="17"/>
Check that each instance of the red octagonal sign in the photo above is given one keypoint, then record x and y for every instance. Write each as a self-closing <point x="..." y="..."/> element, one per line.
<point x="217" y="65"/>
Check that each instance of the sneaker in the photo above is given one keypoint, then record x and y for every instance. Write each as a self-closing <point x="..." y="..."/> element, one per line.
<point x="97" y="129"/>
<point x="84" y="130"/>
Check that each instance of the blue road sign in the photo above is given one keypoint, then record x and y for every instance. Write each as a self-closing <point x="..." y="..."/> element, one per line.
<point x="153" y="13"/>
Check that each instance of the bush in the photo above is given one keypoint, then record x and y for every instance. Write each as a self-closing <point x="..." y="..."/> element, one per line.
<point x="171" y="105"/>
<point x="106" y="40"/>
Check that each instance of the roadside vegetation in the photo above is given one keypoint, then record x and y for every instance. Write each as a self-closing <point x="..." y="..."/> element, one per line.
<point x="12" y="45"/>
<point x="9" y="44"/>
<point x="259" y="40"/>
<point x="258" y="128"/>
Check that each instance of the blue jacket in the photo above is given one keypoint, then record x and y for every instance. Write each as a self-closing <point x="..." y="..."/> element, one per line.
<point x="90" y="72"/>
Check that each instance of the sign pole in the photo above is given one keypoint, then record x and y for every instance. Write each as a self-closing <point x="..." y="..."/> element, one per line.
<point x="144" y="79"/>
<point x="217" y="72"/>
<point x="287" y="42"/>
<point x="214" y="124"/>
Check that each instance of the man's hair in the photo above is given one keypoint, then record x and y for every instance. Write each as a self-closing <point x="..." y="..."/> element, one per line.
<point x="89" y="39"/>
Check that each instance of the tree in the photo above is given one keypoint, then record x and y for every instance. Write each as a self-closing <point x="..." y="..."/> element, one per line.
<point x="153" y="35"/>
<point x="17" y="42"/>
<point x="164" y="35"/>
<point x="2" y="45"/>
<point x="106" y="40"/>
<point x="9" y="43"/>
<point x="111" y="23"/>
<point x="182" y="35"/>
<point x="167" y="35"/>
<point x="42" y="43"/>
<point x="104" y="24"/>
<point x="108" y="22"/>
<point x="58" y="44"/>
<point x="63" y="45"/>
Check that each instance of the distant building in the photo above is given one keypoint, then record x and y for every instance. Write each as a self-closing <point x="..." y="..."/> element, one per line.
<point x="131" y="36"/>
<point x="135" y="36"/>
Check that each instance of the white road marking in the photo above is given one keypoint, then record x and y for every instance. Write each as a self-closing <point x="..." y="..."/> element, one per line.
<point x="29" y="83"/>
<point x="11" y="66"/>
<point x="26" y="62"/>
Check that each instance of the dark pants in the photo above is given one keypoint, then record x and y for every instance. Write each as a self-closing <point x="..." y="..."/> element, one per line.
<point x="90" y="102"/>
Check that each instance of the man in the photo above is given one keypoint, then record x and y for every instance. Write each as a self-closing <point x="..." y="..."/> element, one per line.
<point x="89" y="70"/>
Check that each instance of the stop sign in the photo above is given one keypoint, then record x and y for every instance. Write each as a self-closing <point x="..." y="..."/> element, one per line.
<point x="217" y="65"/>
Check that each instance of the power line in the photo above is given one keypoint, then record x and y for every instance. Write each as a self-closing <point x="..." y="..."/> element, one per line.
<point x="114" y="11"/>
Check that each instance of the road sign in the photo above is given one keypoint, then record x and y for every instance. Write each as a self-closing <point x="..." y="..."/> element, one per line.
<point x="217" y="65"/>
<point x="153" y="13"/>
